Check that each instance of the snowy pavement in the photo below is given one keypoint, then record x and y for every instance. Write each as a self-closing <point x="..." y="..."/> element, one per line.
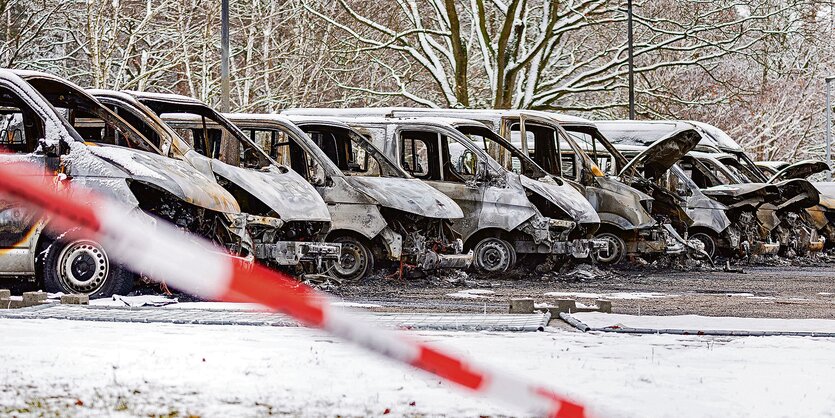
<point x="78" y="368"/>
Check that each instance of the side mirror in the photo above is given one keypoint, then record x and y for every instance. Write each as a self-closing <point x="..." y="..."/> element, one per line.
<point x="53" y="149"/>
<point x="465" y="164"/>
<point x="482" y="171"/>
<point x="683" y="191"/>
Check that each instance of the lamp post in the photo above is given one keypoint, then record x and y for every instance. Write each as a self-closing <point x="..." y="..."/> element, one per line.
<point x="224" y="55"/>
<point x="629" y="59"/>
<point x="828" y="129"/>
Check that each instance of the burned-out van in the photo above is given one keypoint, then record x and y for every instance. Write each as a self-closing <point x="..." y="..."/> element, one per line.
<point x="285" y="217"/>
<point x="822" y="215"/>
<point x="627" y="224"/>
<point x="45" y="122"/>
<point x="379" y="213"/>
<point x="779" y="219"/>
<point x="508" y="218"/>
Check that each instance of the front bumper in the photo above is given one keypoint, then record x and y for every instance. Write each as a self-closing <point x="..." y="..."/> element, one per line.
<point x="291" y="253"/>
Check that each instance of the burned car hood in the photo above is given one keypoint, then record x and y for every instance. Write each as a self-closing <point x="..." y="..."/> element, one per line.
<point x="799" y="170"/>
<point x="796" y="194"/>
<point x="407" y="195"/>
<point x="662" y="154"/>
<point x="173" y="176"/>
<point x="564" y="197"/>
<point x="754" y="193"/>
<point x="286" y="193"/>
<point x="827" y="193"/>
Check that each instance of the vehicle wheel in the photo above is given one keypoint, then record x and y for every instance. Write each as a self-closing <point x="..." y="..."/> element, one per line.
<point x="615" y="249"/>
<point x="494" y="255"/>
<point x="81" y="266"/>
<point x="355" y="262"/>
<point x="708" y="241"/>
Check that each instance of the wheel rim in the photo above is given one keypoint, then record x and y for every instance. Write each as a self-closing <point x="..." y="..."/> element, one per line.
<point x="83" y="267"/>
<point x="707" y="240"/>
<point x="493" y="256"/>
<point x="612" y="251"/>
<point x="352" y="261"/>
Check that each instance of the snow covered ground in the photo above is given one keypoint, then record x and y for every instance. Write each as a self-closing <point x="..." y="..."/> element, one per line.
<point x="127" y="369"/>
<point x="599" y="320"/>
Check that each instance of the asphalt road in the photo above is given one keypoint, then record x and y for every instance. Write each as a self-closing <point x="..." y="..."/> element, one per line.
<point x="785" y="291"/>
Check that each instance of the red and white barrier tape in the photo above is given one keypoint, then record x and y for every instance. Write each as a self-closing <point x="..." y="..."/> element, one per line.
<point x="189" y="264"/>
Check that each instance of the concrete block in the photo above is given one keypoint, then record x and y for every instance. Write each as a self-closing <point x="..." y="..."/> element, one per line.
<point x="5" y="294"/>
<point x="566" y="305"/>
<point x="521" y="306"/>
<point x="11" y="304"/>
<point x="604" y="305"/>
<point x="33" y="298"/>
<point x="75" y="300"/>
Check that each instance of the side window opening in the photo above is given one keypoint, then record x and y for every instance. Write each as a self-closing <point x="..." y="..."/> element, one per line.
<point x="543" y="146"/>
<point x="20" y="126"/>
<point x="278" y="145"/>
<point x="419" y="153"/>
<point x="460" y="163"/>
<point x="138" y="124"/>
<point x="344" y="148"/>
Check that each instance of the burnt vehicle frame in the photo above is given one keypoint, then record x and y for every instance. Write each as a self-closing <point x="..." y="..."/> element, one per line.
<point x="725" y="173"/>
<point x="115" y="161"/>
<point x="502" y="221"/>
<point x="627" y="222"/>
<point x="378" y="211"/>
<point x="822" y="215"/>
<point x="708" y="222"/>
<point x="285" y="218"/>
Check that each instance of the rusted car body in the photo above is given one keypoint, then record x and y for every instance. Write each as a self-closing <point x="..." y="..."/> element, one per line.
<point x="378" y="212"/>
<point x="627" y="226"/>
<point x="506" y="215"/>
<point x="780" y="220"/>
<point x="46" y="123"/>
<point x="285" y="217"/>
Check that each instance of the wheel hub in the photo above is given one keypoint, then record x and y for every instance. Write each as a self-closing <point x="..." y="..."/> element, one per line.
<point x="352" y="259"/>
<point x="493" y="256"/>
<point x="83" y="266"/>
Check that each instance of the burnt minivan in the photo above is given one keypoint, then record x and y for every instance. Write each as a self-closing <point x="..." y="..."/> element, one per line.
<point x="285" y="217"/>
<point x="380" y="215"/>
<point x="509" y="219"/>
<point x="46" y="122"/>
<point x="627" y="224"/>
<point x="779" y="216"/>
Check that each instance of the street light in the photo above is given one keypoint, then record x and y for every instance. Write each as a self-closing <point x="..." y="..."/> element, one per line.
<point x="629" y="58"/>
<point x="828" y="129"/>
<point x="224" y="55"/>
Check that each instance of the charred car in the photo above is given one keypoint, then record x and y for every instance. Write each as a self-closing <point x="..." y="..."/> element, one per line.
<point x="380" y="215"/>
<point x="506" y="215"/>
<point x="779" y="220"/>
<point x="627" y="225"/>
<point x="285" y="217"/>
<point x="46" y="122"/>
<point x="822" y="215"/>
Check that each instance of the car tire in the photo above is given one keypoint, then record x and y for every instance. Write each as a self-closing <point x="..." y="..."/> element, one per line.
<point x="709" y="242"/>
<point x="494" y="255"/>
<point x="355" y="261"/>
<point x="615" y="251"/>
<point x="82" y="266"/>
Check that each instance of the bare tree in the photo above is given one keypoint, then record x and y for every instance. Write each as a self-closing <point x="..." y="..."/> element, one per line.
<point x="544" y="54"/>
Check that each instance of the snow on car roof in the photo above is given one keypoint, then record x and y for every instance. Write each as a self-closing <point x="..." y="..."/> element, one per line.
<point x="628" y="132"/>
